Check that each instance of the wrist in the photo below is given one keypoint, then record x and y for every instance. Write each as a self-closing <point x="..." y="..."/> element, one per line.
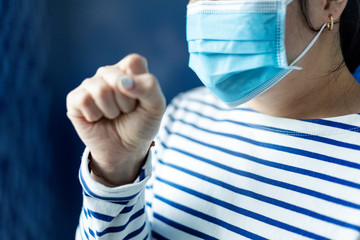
<point x="113" y="175"/>
<point x="117" y="174"/>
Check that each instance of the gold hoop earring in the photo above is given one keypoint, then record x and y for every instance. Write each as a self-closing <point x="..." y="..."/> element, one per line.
<point x="330" y="25"/>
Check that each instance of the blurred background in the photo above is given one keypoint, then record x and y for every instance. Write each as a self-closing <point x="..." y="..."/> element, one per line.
<point x="47" y="48"/>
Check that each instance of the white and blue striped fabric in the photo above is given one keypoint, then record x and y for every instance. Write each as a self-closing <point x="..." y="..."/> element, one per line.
<point x="219" y="173"/>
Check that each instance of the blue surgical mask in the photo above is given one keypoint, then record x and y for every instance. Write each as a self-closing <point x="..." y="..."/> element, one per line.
<point x="237" y="48"/>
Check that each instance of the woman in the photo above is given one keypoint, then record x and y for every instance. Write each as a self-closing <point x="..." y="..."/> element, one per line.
<point x="282" y="163"/>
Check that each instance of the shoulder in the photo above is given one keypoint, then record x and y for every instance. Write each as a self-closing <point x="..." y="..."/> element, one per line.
<point x="195" y="92"/>
<point x="200" y="95"/>
<point x="192" y="104"/>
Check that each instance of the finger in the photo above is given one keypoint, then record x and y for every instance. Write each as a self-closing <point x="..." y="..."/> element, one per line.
<point x="133" y="64"/>
<point x="80" y="104"/>
<point x="103" y="96"/>
<point x="146" y="89"/>
<point x="112" y="74"/>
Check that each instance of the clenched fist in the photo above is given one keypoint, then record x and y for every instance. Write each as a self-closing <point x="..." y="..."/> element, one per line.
<point x="117" y="114"/>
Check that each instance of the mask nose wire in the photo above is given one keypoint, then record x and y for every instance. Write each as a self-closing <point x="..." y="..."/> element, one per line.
<point x="307" y="49"/>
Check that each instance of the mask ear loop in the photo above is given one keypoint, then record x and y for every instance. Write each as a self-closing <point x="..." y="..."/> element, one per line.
<point x="307" y="49"/>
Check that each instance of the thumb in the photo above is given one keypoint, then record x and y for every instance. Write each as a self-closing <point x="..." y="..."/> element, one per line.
<point x="133" y="64"/>
<point x="146" y="89"/>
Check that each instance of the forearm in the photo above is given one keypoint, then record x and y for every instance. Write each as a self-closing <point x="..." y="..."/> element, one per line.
<point x="120" y="172"/>
<point x="113" y="213"/>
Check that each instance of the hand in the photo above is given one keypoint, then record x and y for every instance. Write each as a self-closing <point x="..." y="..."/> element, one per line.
<point x="117" y="114"/>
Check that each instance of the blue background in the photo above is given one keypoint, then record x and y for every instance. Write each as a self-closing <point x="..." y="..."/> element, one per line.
<point x="48" y="47"/>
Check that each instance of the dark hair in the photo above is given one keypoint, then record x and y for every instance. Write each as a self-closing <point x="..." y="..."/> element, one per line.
<point x="349" y="31"/>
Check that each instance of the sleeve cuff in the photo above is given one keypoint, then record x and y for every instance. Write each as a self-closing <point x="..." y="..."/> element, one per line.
<point x="119" y="194"/>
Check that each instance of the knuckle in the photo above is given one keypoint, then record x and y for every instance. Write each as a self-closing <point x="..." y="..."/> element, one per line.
<point x="94" y="116"/>
<point x="135" y="59"/>
<point x="113" y="115"/>
<point x="103" y="92"/>
<point x="151" y="81"/>
<point x="102" y="70"/>
<point x="85" y="101"/>
<point x="68" y="102"/>
<point x="69" y="96"/>
<point x="86" y="82"/>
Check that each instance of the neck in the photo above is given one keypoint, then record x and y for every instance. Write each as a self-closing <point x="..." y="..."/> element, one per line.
<point x="316" y="91"/>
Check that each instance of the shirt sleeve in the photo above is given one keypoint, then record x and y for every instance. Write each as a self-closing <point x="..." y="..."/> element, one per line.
<point x="113" y="213"/>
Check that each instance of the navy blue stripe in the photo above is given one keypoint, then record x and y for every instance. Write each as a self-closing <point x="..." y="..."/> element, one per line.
<point x="121" y="228"/>
<point x="263" y="198"/>
<point x="295" y="151"/>
<point x="86" y="194"/>
<point x="333" y="124"/>
<point x="142" y="175"/>
<point x="183" y="228"/>
<point x="86" y="235"/>
<point x="119" y="203"/>
<point x="100" y="216"/>
<point x="135" y="233"/>
<point x="83" y="230"/>
<point x="127" y="209"/>
<point x="115" y="200"/>
<point x="158" y="236"/>
<point x="146" y="237"/>
<point x="276" y="183"/>
<point x="317" y="121"/>
<point x="243" y="211"/>
<point x="91" y="233"/>
<point x="279" y="165"/>
<point x="279" y="131"/>
<point x="209" y="218"/>
<point x="85" y="213"/>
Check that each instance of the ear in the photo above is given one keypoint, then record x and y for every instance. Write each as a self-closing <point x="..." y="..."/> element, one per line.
<point x="333" y="8"/>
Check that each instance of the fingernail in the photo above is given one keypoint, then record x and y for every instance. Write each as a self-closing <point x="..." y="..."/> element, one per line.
<point x="126" y="82"/>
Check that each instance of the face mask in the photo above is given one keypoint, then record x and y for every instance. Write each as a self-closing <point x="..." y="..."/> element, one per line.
<point x="237" y="48"/>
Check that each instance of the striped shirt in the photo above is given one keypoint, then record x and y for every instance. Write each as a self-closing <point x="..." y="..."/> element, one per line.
<point x="219" y="173"/>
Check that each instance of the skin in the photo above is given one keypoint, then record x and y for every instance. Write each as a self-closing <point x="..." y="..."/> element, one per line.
<point x="316" y="91"/>
<point x="118" y="124"/>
